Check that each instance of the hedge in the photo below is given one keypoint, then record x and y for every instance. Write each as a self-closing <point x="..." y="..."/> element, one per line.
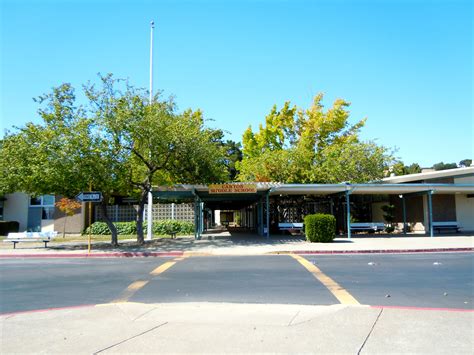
<point x="9" y="227"/>
<point x="320" y="228"/>
<point x="164" y="227"/>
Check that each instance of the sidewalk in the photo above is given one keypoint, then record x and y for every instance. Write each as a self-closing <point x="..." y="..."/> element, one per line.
<point x="223" y="243"/>
<point x="185" y="328"/>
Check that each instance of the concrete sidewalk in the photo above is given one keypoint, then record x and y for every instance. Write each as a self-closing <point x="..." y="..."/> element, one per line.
<point x="223" y="243"/>
<point x="237" y="328"/>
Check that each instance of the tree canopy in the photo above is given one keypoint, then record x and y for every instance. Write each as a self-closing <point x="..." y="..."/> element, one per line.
<point x="311" y="145"/>
<point x="119" y="143"/>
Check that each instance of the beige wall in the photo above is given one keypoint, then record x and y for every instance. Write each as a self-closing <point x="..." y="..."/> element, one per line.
<point x="465" y="206"/>
<point x="15" y="208"/>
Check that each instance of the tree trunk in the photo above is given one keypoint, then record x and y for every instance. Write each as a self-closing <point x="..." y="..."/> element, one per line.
<point x="141" y="210"/>
<point x="108" y="221"/>
<point x="64" y="227"/>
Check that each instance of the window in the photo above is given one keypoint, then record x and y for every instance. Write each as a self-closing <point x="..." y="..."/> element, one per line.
<point x="46" y="203"/>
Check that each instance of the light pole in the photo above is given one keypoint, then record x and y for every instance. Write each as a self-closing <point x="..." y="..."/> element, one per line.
<point x="149" y="230"/>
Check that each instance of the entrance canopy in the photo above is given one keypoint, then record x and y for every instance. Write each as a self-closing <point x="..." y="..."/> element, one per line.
<point x="235" y="196"/>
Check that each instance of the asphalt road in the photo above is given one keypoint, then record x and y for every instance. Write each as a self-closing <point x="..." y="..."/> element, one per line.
<point x="413" y="280"/>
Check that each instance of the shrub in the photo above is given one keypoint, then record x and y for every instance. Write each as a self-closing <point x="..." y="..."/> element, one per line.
<point x="320" y="228"/>
<point x="126" y="228"/>
<point x="165" y="227"/>
<point x="9" y="227"/>
<point x="97" y="228"/>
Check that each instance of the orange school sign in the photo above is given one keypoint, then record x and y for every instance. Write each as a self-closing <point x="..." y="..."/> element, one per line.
<point x="233" y="189"/>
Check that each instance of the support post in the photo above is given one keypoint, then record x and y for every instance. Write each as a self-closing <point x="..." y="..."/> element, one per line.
<point x="201" y="217"/>
<point x="348" y="213"/>
<point x="267" y="201"/>
<point x="196" y="218"/>
<point x="404" y="215"/>
<point x="149" y="216"/>
<point x="430" y="212"/>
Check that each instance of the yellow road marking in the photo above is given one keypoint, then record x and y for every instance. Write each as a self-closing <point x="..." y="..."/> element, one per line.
<point x="137" y="285"/>
<point x="340" y="293"/>
<point x="162" y="268"/>
<point x="130" y="291"/>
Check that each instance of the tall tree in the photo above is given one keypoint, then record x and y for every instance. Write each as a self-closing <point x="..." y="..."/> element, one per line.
<point x="164" y="147"/>
<point x="64" y="154"/>
<point x="311" y="146"/>
<point x="121" y="144"/>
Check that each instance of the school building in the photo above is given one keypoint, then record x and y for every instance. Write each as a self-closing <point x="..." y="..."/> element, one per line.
<point x="426" y="203"/>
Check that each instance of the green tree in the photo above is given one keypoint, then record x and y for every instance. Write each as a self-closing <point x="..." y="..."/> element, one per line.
<point x="163" y="147"/>
<point x="64" y="154"/>
<point x="400" y="169"/>
<point x="233" y="154"/>
<point x="311" y="146"/>
<point x="465" y="163"/>
<point x="120" y="144"/>
<point x="444" y="166"/>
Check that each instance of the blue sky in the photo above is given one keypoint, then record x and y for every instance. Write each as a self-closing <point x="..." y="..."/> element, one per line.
<point x="405" y="65"/>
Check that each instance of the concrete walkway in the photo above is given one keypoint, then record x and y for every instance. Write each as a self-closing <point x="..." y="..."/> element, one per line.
<point x="225" y="243"/>
<point x="204" y="328"/>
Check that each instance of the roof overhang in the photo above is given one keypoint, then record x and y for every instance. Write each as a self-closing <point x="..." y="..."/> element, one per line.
<point x="453" y="173"/>
<point x="202" y="191"/>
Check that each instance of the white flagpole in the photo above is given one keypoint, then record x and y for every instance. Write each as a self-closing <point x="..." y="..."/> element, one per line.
<point x="149" y="232"/>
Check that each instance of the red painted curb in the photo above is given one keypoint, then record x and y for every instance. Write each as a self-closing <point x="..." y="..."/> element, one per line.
<point x="426" y="308"/>
<point x="381" y="251"/>
<point x="97" y="255"/>
<point x="45" y="310"/>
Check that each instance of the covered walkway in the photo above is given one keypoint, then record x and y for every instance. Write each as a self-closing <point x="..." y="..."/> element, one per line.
<point x="254" y="200"/>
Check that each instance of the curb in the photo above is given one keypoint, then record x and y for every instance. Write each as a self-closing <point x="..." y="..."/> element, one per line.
<point x="190" y="253"/>
<point x="380" y="251"/>
<point x="97" y="255"/>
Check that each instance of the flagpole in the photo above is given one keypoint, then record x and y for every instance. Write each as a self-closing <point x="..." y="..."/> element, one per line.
<point x="149" y="230"/>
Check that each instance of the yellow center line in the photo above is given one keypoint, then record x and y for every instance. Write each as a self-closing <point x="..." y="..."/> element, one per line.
<point x="162" y="268"/>
<point x="137" y="285"/>
<point x="340" y="293"/>
<point x="130" y="291"/>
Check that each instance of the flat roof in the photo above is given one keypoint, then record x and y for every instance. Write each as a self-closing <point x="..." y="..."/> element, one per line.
<point x="458" y="172"/>
<point x="318" y="189"/>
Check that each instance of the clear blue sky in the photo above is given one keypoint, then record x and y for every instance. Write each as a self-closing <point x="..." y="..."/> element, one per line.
<point x="405" y="65"/>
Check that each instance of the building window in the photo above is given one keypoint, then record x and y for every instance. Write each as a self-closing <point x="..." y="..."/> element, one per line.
<point x="46" y="203"/>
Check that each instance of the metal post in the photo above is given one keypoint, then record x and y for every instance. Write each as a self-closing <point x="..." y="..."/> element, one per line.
<point x="196" y="227"/>
<point x="430" y="212"/>
<point x="267" y="200"/>
<point x="348" y="209"/>
<point x="201" y="214"/>
<point x="150" y="195"/>
<point x="404" y="215"/>
<point x="172" y="210"/>
<point x="90" y="222"/>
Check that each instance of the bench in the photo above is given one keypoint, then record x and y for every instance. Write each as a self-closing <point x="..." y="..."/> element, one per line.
<point x="44" y="237"/>
<point x="291" y="227"/>
<point x="370" y="227"/>
<point x="438" y="226"/>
